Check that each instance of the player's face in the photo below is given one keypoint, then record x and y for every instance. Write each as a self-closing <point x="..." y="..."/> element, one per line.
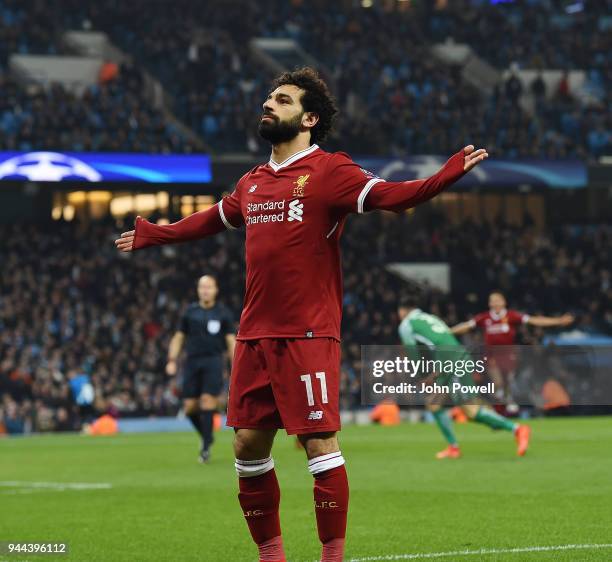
<point x="207" y="289"/>
<point x="283" y="115"/>
<point x="497" y="302"/>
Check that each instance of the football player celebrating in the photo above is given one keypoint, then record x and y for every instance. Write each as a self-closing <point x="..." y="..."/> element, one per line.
<point x="417" y="327"/>
<point x="286" y="368"/>
<point x="499" y="327"/>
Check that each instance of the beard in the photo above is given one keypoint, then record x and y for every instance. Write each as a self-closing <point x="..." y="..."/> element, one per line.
<point x="276" y="131"/>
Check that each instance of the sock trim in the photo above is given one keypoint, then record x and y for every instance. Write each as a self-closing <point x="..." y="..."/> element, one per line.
<point x="333" y="549"/>
<point x="325" y="462"/>
<point x="271" y="549"/>
<point x="248" y="469"/>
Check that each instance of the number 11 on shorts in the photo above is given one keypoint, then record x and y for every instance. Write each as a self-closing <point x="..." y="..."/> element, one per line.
<point x="307" y="379"/>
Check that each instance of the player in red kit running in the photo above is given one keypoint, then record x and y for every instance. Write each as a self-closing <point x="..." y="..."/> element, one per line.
<point x="286" y="367"/>
<point x="499" y="328"/>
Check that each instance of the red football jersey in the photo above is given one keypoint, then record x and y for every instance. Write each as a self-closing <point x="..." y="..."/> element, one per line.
<point x="294" y="213"/>
<point x="500" y="329"/>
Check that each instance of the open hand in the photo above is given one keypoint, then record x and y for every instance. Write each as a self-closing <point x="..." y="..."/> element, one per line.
<point x="171" y="368"/>
<point x="125" y="243"/>
<point x="473" y="157"/>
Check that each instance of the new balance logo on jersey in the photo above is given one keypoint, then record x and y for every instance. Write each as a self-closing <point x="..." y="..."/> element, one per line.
<point x="316" y="415"/>
<point x="252" y="188"/>
<point x="367" y="173"/>
<point x="296" y="210"/>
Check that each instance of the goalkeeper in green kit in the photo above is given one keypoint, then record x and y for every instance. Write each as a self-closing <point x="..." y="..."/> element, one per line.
<point x="417" y="327"/>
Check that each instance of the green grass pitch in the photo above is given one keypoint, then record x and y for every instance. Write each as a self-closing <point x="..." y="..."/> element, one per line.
<point x="163" y="505"/>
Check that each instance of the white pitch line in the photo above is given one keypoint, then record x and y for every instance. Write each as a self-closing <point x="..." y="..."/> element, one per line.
<point x="56" y="485"/>
<point x="422" y="555"/>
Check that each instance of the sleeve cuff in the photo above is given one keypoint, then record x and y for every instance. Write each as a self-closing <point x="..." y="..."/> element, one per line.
<point x="138" y="226"/>
<point x="364" y="193"/>
<point x="227" y="224"/>
<point x="457" y="164"/>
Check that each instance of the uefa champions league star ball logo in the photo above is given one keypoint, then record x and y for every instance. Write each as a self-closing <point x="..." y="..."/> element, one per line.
<point x="47" y="166"/>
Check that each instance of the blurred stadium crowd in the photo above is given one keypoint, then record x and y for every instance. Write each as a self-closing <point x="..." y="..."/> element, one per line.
<point x="70" y="309"/>
<point x="394" y="96"/>
<point x="110" y="117"/>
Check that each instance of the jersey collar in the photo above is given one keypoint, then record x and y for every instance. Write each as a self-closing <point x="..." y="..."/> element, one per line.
<point x="495" y="316"/>
<point x="414" y="312"/>
<point x="297" y="156"/>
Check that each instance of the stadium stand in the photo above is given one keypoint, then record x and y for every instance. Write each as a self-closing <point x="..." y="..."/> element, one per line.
<point x="67" y="310"/>
<point x="108" y="117"/>
<point x="112" y="115"/>
<point x="390" y="89"/>
<point x="57" y="304"/>
<point x="24" y="28"/>
<point x="547" y="34"/>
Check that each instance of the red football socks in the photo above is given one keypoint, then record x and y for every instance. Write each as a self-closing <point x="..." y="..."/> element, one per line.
<point x="260" y="498"/>
<point x="331" y="495"/>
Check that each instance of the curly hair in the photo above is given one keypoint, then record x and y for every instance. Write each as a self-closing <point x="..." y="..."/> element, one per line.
<point x="316" y="98"/>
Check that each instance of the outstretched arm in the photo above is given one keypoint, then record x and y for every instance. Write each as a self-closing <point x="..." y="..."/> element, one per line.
<point x="399" y="196"/>
<point x="550" y="321"/>
<point x="463" y="327"/>
<point x="194" y="227"/>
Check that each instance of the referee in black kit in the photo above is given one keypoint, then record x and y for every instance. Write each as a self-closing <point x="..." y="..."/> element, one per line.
<point x="206" y="331"/>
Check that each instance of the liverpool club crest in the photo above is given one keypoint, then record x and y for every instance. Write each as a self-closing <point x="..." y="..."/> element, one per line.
<point x="300" y="184"/>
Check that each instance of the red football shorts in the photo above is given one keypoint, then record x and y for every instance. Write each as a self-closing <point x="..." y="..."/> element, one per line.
<point x="503" y="357"/>
<point x="285" y="383"/>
